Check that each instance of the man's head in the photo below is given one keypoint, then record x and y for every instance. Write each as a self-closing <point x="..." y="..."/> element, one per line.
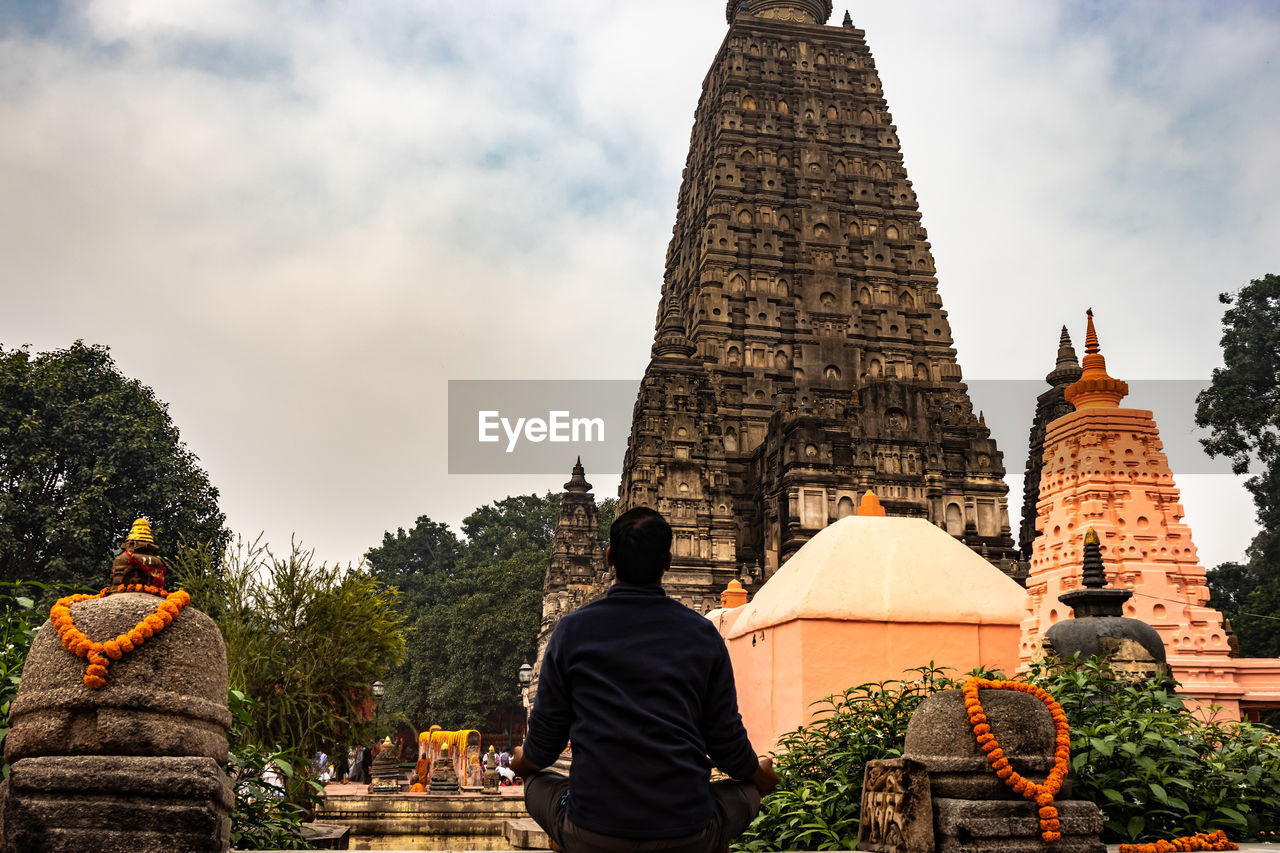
<point x="639" y="546"/>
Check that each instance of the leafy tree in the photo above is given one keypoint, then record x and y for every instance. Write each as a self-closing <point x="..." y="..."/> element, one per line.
<point x="83" y="451"/>
<point x="1248" y="594"/>
<point x="1241" y="409"/>
<point x="305" y="641"/>
<point x="606" y="511"/>
<point x="473" y="612"/>
<point x="419" y="562"/>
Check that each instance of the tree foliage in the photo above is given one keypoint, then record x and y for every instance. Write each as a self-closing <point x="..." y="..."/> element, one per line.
<point x="273" y="794"/>
<point x="305" y="640"/>
<point x="20" y="618"/>
<point x="1241" y="409"/>
<point x="1248" y="594"/>
<point x="83" y="448"/>
<point x="473" y="607"/>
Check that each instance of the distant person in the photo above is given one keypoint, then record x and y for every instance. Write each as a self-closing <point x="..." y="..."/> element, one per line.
<point x="357" y="759"/>
<point x="342" y="771"/>
<point x="366" y="761"/>
<point x="644" y="687"/>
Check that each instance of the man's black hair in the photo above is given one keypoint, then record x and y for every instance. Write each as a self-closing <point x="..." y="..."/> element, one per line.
<point x="640" y="545"/>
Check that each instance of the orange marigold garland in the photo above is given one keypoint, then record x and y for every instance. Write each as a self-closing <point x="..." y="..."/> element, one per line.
<point x="1041" y="793"/>
<point x="1216" y="840"/>
<point x="100" y="655"/>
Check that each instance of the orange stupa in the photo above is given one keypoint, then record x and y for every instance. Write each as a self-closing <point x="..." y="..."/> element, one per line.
<point x="1104" y="468"/>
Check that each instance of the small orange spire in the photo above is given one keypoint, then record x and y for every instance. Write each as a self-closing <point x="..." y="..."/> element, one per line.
<point x="870" y="505"/>
<point x="733" y="596"/>
<point x="1095" y="389"/>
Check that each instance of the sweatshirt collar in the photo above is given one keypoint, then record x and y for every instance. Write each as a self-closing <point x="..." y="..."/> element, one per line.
<point x="622" y="588"/>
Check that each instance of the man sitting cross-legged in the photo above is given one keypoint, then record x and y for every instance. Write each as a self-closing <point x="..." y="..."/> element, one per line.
<point x="643" y="687"/>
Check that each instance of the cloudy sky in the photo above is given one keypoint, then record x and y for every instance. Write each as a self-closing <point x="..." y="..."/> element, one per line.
<point x="297" y="221"/>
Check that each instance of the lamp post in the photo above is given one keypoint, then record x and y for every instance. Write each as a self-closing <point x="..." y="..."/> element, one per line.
<point x="524" y="675"/>
<point x="377" y="690"/>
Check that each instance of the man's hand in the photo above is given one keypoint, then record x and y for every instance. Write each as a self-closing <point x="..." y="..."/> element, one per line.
<point x="765" y="779"/>
<point x="524" y="768"/>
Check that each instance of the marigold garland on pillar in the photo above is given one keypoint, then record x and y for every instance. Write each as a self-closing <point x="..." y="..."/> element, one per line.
<point x="100" y="654"/>
<point x="1042" y="793"/>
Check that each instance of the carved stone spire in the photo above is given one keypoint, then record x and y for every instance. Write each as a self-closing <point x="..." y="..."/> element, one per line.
<point x="1067" y="368"/>
<point x="1095" y="389"/>
<point x="1094" y="576"/>
<point x="578" y="480"/>
<point x="1050" y="405"/>
<point x="848" y="20"/>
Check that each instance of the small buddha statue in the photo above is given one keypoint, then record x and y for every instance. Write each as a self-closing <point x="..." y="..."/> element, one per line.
<point x="139" y="559"/>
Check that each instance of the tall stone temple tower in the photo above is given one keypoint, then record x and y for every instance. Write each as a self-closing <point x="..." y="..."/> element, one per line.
<point x="1050" y="406"/>
<point x="577" y="573"/>
<point x="802" y="355"/>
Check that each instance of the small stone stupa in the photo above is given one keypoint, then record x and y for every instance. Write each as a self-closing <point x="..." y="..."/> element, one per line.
<point x="124" y="754"/>
<point x="384" y="773"/>
<point x="1100" y="628"/>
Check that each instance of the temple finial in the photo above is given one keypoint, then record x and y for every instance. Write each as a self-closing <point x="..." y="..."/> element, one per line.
<point x="1090" y="335"/>
<point x="1095" y="574"/>
<point x="1067" y="368"/>
<point x="870" y="505"/>
<point x="1066" y="352"/>
<point x="848" y="20"/>
<point x="578" y="479"/>
<point x="1095" y="389"/>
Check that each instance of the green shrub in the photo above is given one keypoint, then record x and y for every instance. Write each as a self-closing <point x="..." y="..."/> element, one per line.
<point x="1155" y="770"/>
<point x="24" y="606"/>
<point x="819" y="765"/>
<point x="1158" y="771"/>
<point x="268" y="812"/>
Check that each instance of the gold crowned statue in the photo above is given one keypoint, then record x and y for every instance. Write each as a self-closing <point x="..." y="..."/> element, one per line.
<point x="139" y="559"/>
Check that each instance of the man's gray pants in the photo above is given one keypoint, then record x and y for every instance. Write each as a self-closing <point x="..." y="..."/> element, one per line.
<point x="545" y="797"/>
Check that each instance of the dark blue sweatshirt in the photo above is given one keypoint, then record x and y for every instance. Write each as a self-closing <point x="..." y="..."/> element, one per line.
<point x="643" y="687"/>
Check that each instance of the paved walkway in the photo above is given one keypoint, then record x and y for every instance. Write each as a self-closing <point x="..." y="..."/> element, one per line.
<point x="1111" y="848"/>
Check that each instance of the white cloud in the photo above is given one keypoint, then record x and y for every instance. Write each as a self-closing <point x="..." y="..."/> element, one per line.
<point x="297" y="221"/>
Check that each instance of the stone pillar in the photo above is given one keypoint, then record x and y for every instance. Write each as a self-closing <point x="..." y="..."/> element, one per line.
<point x="133" y="766"/>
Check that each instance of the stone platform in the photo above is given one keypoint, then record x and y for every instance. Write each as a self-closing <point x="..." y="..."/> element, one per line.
<point x="423" y="821"/>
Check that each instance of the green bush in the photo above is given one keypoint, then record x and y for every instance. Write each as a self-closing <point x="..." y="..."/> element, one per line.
<point x="268" y="812"/>
<point x="24" y="606"/>
<point x="817" y="804"/>
<point x="1158" y="771"/>
<point x="19" y="621"/>
<point x="1155" y="770"/>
